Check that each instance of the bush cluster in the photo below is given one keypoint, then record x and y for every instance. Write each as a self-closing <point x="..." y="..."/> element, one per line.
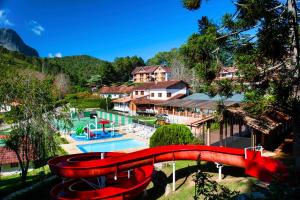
<point x="172" y="134"/>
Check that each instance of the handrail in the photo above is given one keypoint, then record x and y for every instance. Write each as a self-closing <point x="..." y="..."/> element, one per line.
<point x="255" y="148"/>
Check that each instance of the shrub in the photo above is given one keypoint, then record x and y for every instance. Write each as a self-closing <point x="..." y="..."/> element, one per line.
<point x="82" y="95"/>
<point x="69" y="97"/>
<point x="103" y="101"/>
<point x="171" y="134"/>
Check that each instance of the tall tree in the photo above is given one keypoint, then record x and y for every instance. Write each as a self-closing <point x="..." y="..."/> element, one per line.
<point x="32" y="137"/>
<point x="268" y="59"/>
<point x="61" y="84"/>
<point x="123" y="66"/>
<point x="163" y="58"/>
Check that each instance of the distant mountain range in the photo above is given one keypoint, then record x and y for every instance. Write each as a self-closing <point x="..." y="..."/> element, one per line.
<point x="10" y="40"/>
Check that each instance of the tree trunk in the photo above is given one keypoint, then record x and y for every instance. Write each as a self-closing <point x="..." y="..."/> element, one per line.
<point x="24" y="175"/>
<point x="292" y="7"/>
<point x="23" y="166"/>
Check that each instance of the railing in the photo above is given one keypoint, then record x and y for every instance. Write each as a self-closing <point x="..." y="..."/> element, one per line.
<point x="256" y="148"/>
<point x="144" y="123"/>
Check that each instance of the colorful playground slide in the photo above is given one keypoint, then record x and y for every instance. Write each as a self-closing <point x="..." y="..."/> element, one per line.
<point x="84" y="173"/>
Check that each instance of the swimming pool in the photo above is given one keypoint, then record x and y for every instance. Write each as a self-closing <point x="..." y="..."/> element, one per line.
<point x="111" y="146"/>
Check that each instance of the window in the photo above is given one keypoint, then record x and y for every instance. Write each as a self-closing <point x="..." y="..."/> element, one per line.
<point x="136" y="93"/>
<point x="159" y="95"/>
<point x="142" y="92"/>
<point x="152" y="94"/>
<point x="169" y="94"/>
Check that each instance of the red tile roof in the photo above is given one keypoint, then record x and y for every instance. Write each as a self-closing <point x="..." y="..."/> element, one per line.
<point x="142" y="101"/>
<point x="7" y="156"/>
<point x="149" y="69"/>
<point x="178" y="96"/>
<point x="145" y="100"/>
<point x="159" y="85"/>
<point x="122" y="100"/>
<point x="122" y="89"/>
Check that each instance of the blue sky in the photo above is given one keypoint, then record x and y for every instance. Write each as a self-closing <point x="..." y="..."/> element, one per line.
<point x="105" y="28"/>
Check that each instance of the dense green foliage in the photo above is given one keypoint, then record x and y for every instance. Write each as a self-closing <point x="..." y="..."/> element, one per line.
<point x="262" y="37"/>
<point x="79" y="68"/>
<point x="32" y="137"/>
<point x="84" y="100"/>
<point x="123" y="66"/>
<point x="82" y="70"/>
<point x="171" y="134"/>
<point x="163" y="58"/>
<point x="208" y="189"/>
<point x="265" y="58"/>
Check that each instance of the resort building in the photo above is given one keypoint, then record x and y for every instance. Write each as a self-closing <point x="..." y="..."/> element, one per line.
<point x="144" y="97"/>
<point x="228" y="73"/>
<point x="122" y="104"/>
<point x="194" y="108"/>
<point x="147" y="74"/>
<point x="115" y="92"/>
<point x="267" y="130"/>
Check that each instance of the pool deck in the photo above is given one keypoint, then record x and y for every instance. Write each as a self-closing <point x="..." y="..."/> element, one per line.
<point x="72" y="148"/>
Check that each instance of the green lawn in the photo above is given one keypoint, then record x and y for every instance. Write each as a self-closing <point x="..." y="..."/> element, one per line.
<point x="234" y="180"/>
<point x="9" y="184"/>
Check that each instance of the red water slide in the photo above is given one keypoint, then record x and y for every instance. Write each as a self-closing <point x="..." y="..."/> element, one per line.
<point x="84" y="170"/>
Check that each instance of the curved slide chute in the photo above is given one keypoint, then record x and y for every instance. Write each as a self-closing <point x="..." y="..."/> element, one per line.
<point x="84" y="169"/>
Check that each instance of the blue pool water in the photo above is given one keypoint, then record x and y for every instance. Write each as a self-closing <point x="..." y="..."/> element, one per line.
<point x="99" y="135"/>
<point x="111" y="146"/>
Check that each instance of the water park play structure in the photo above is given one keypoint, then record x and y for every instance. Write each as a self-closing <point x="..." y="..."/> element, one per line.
<point x="88" y="124"/>
<point x="113" y="175"/>
<point x="90" y="129"/>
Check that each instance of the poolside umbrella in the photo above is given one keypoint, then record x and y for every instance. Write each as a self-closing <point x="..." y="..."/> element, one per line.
<point x="103" y="122"/>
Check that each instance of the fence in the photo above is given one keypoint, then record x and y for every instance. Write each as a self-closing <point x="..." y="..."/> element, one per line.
<point x="136" y="121"/>
<point x="117" y="119"/>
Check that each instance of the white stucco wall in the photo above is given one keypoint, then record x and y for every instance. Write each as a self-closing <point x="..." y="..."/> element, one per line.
<point x="164" y="93"/>
<point x="113" y="96"/>
<point x="121" y="107"/>
<point x="146" y="92"/>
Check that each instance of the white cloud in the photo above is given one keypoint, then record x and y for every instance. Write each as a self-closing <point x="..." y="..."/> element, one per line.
<point x="4" y="21"/>
<point x="35" y="27"/>
<point x="56" y="55"/>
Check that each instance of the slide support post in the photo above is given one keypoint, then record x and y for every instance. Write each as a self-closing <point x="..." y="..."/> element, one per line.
<point x="96" y="122"/>
<point x="174" y="180"/>
<point x="219" y="166"/>
<point x="102" y="178"/>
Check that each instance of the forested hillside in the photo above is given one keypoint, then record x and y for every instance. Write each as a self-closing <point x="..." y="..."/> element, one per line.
<point x="80" y="69"/>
